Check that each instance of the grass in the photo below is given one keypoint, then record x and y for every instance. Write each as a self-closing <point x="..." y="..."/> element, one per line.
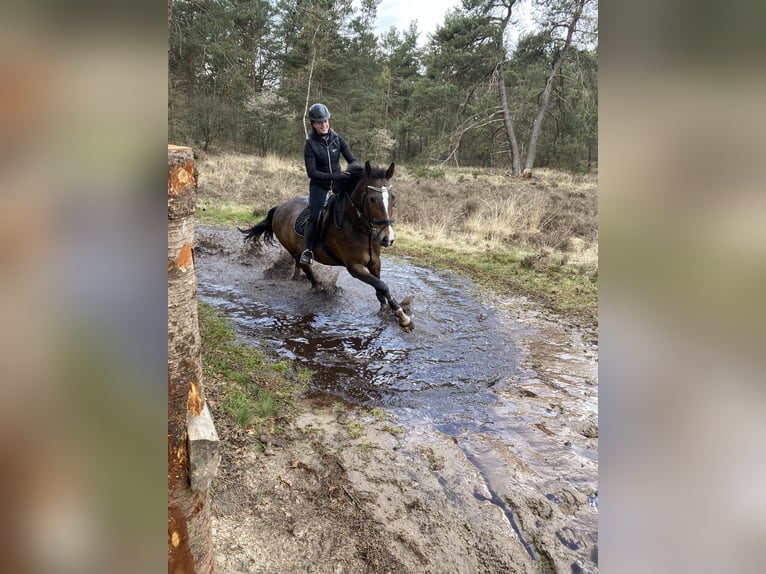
<point x="243" y="407"/>
<point x="355" y="429"/>
<point x="396" y="431"/>
<point x="225" y="214"/>
<point x="365" y="449"/>
<point x="377" y="414"/>
<point x="537" y="238"/>
<point x="565" y="289"/>
<point x="247" y="387"/>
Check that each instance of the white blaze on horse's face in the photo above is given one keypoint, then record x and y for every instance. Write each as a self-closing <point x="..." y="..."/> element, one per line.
<point x="388" y="235"/>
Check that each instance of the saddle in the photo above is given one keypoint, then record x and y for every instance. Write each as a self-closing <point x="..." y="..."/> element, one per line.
<point x="328" y="212"/>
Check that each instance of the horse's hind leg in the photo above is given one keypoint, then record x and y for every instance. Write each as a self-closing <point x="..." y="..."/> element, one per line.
<point x="309" y="272"/>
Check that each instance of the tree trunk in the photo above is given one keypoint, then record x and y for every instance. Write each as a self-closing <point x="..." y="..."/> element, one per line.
<point x="190" y="547"/>
<point x="545" y="100"/>
<point x="510" y="135"/>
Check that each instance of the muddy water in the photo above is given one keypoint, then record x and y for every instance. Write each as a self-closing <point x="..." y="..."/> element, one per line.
<point x="464" y="373"/>
<point x="447" y="371"/>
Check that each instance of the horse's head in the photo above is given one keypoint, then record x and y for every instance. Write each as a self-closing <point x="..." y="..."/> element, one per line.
<point x="374" y="201"/>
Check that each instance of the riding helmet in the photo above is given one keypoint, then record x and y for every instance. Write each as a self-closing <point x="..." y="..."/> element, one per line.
<point x="319" y="113"/>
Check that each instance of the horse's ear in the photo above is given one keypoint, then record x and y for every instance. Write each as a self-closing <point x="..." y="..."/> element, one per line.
<point x="367" y="168"/>
<point x="390" y="171"/>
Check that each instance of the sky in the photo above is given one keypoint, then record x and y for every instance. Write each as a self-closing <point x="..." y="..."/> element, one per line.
<point x="428" y="13"/>
<point x="399" y="13"/>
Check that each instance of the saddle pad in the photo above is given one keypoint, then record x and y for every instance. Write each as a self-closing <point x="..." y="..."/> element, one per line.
<point x="300" y="222"/>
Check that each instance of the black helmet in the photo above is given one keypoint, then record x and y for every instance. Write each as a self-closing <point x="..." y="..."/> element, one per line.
<point x="319" y="113"/>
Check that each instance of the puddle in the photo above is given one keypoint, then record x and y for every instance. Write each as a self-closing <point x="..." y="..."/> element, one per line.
<point x="458" y="374"/>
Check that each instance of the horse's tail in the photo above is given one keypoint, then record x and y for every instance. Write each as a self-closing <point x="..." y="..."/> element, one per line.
<point x="262" y="228"/>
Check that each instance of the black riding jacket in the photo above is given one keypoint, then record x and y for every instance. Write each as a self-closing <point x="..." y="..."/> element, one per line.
<point x="322" y="158"/>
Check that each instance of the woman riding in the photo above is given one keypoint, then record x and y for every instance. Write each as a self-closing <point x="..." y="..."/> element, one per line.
<point x="322" y="157"/>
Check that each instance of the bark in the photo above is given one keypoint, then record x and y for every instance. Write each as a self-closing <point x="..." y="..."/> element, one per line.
<point x="546" y="97"/>
<point x="510" y="135"/>
<point x="190" y="548"/>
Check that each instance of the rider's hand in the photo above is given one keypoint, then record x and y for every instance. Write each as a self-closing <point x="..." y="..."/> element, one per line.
<point x="355" y="168"/>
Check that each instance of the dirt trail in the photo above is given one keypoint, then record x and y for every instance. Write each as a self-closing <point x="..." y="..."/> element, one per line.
<point x="358" y="490"/>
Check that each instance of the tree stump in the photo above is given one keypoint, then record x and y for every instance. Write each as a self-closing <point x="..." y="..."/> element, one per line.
<point x="193" y="455"/>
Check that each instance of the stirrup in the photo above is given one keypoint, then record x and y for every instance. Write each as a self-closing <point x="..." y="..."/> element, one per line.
<point x="306" y="257"/>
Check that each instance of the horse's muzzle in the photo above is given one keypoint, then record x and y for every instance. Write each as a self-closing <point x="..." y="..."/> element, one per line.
<point x="386" y="236"/>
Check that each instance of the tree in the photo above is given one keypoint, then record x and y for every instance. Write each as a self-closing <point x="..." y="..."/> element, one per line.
<point x="560" y="14"/>
<point x="244" y="72"/>
<point x="459" y="64"/>
<point x="473" y="37"/>
<point x="221" y="52"/>
<point x="190" y="546"/>
<point x="569" y="137"/>
<point x="365" y="84"/>
<point x="312" y="53"/>
<point x="470" y="46"/>
<point x="401" y="72"/>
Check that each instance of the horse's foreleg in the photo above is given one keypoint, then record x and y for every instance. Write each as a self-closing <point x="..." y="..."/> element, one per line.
<point x="382" y="293"/>
<point x="373" y="267"/>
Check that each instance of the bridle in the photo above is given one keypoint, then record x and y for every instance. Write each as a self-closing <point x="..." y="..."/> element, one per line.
<point x="371" y="223"/>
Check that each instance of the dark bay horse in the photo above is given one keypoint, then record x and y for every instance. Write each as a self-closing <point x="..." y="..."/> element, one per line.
<point x="352" y="229"/>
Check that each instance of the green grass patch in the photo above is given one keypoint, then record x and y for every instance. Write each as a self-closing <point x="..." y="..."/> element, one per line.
<point x="225" y="214"/>
<point x="365" y="449"/>
<point x="249" y="388"/>
<point x="239" y="405"/>
<point x="303" y="375"/>
<point x="563" y="289"/>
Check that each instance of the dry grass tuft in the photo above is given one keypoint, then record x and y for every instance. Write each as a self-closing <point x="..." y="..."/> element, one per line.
<point x="490" y="208"/>
<point x="501" y="218"/>
<point x="260" y="182"/>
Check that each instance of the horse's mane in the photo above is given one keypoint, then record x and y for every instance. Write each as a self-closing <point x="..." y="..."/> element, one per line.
<point x="348" y="184"/>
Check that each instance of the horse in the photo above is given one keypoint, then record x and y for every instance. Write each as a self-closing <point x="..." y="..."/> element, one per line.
<point x="355" y="223"/>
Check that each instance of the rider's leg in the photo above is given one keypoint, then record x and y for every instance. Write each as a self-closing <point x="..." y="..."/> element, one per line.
<point x="317" y="196"/>
<point x="309" y="240"/>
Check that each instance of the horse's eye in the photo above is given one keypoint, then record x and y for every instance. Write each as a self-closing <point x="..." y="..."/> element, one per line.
<point x="372" y="199"/>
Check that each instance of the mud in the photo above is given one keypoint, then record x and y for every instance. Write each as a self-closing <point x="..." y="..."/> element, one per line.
<point x="468" y="445"/>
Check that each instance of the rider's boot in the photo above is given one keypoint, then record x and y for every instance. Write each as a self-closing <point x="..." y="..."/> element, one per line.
<point x="309" y="238"/>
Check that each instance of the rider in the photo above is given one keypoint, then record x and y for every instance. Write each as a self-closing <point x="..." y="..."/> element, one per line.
<point x="322" y="157"/>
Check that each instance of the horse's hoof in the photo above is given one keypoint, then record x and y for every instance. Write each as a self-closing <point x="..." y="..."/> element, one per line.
<point x="404" y="321"/>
